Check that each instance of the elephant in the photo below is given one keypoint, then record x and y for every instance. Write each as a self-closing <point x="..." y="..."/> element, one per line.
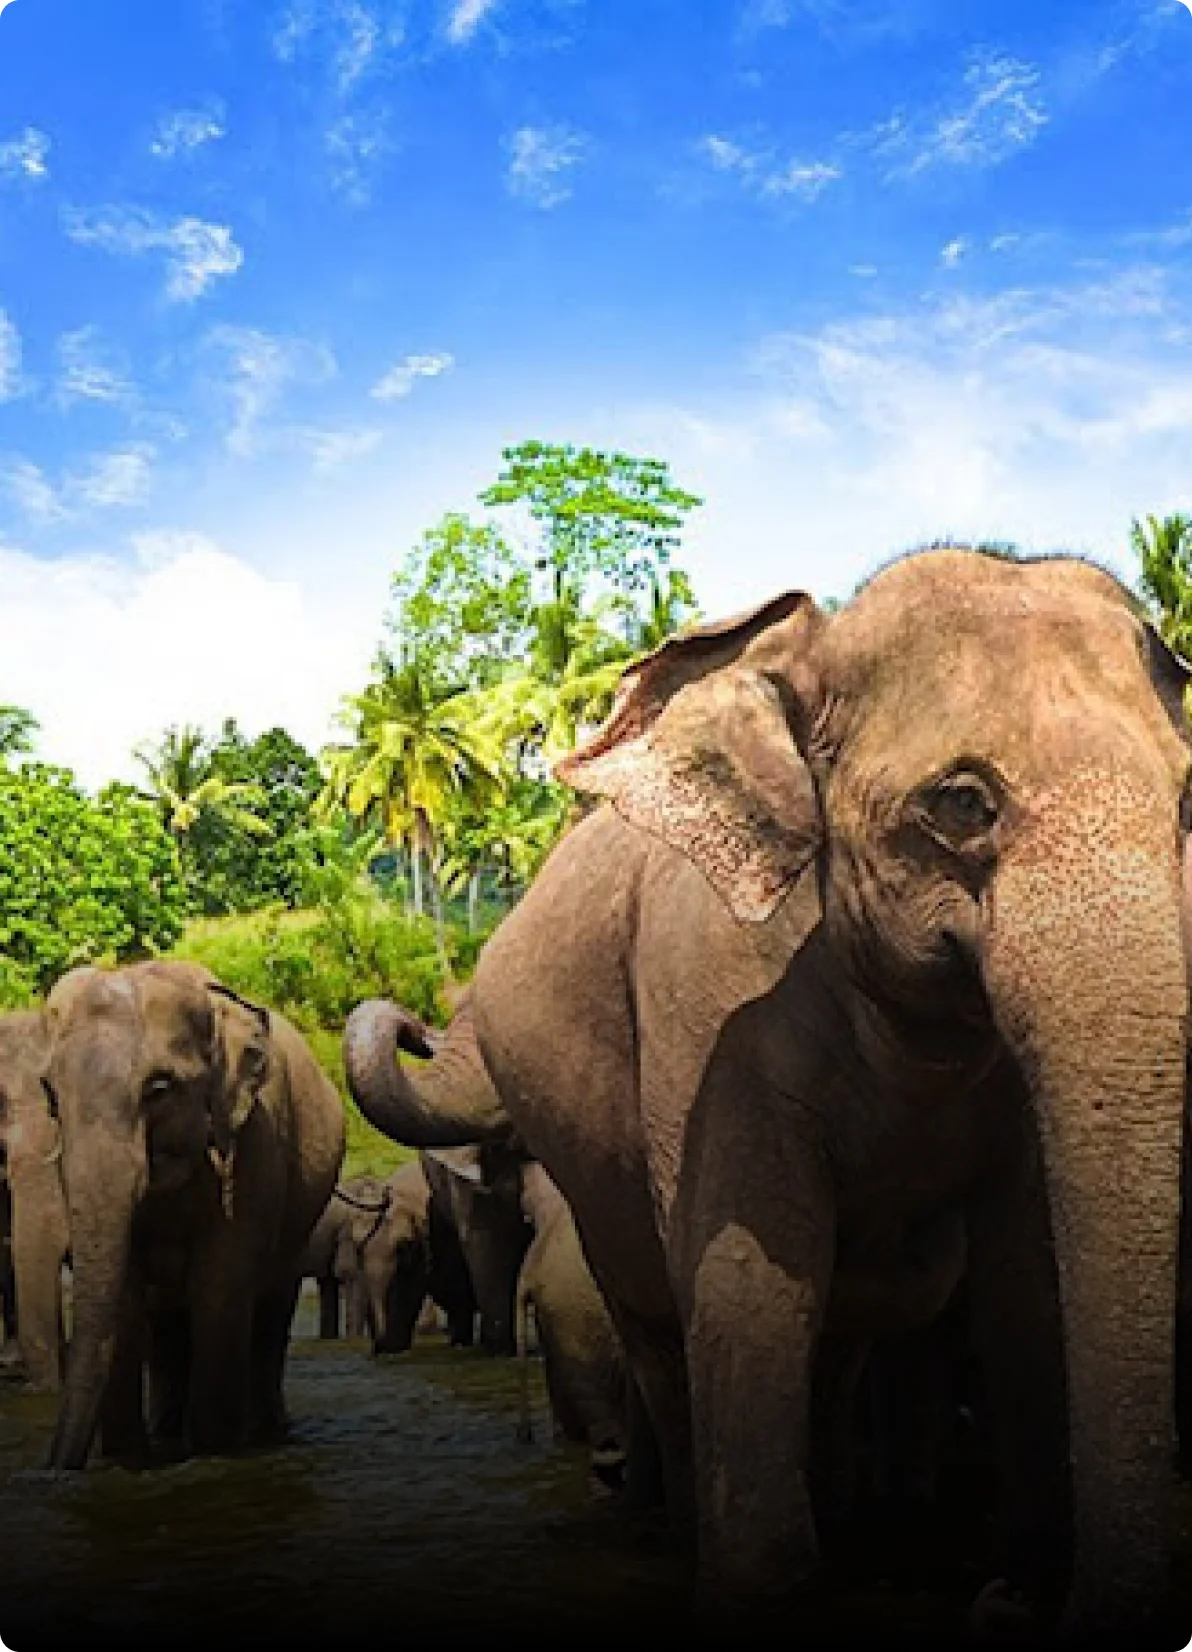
<point x="582" y="1357"/>
<point x="478" y="1238"/>
<point x="33" y="1218"/>
<point x="877" y="924"/>
<point x="200" y="1141"/>
<point x="331" y="1255"/>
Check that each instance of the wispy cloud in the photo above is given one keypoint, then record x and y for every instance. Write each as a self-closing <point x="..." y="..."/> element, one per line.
<point x="186" y="130"/>
<point x="118" y="479"/>
<point x="541" y="159"/>
<point x="953" y="252"/>
<point x="401" y="378"/>
<point x="26" y="156"/>
<point x="766" y="176"/>
<point x="332" y="449"/>
<point x="348" y="36"/>
<point x="355" y="145"/>
<point x="196" y="253"/>
<point x="1000" y="112"/>
<point x="465" y="18"/>
<point x="91" y="370"/>
<point x="255" y="370"/>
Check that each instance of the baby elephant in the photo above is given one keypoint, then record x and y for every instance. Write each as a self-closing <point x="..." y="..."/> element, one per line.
<point x="582" y="1356"/>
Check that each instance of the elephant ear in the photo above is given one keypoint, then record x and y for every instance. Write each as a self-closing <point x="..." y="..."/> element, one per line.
<point x="699" y="750"/>
<point x="242" y="1044"/>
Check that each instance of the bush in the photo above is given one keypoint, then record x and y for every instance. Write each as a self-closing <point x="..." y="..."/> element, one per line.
<point x="82" y="880"/>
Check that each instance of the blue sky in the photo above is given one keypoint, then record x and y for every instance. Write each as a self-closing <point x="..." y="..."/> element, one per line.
<point x="280" y="278"/>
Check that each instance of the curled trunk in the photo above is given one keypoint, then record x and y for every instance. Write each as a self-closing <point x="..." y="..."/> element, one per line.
<point x="450" y="1103"/>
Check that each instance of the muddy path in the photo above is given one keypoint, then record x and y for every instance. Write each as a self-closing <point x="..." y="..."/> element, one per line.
<point x="404" y="1502"/>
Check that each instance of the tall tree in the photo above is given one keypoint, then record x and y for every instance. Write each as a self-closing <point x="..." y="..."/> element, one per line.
<point x="183" y="784"/>
<point x="609" y="516"/>
<point x="461" y="605"/>
<point x="409" y="756"/>
<point x="17" y="728"/>
<point x="1164" y="549"/>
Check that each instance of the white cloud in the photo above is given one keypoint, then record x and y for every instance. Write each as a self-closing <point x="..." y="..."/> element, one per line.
<point x="332" y="449"/>
<point x="25" y="156"/>
<point x="401" y="378"/>
<point x="186" y="130"/>
<point x="118" y="479"/>
<point x="465" y="18"/>
<point x="541" y="158"/>
<point x="255" y="371"/>
<point x="954" y="251"/>
<point x="355" y="145"/>
<point x="107" y="653"/>
<point x="196" y="253"/>
<point x="350" y="36"/>
<point x="91" y="370"/>
<point x="763" y="174"/>
<point x="1001" y="112"/>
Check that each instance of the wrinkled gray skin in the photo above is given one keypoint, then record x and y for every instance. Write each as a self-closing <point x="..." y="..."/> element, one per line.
<point x="583" y="1361"/>
<point x="885" y="925"/>
<point x="477" y="1218"/>
<point x="36" y="1239"/>
<point x="332" y="1254"/>
<point x="200" y="1141"/>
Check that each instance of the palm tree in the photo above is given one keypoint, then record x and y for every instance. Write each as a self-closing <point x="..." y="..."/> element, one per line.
<point x="17" y="728"/>
<point x="409" y="757"/>
<point x="184" y="787"/>
<point x="1164" y="548"/>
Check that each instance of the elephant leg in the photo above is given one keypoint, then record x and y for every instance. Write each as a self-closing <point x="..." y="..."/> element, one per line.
<point x="752" y="1258"/>
<point x="660" y="1450"/>
<point x="328" y="1308"/>
<point x="272" y="1322"/>
<point x="1017" y="1340"/>
<point x="833" y="1455"/>
<point x="169" y="1372"/>
<point x="356" y="1313"/>
<point x="122" y="1430"/>
<point x="39" y="1244"/>
<point x="222" y="1315"/>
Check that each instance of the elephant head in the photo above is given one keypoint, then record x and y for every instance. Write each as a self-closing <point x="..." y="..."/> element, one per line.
<point x="152" y="1072"/>
<point x="983" y="762"/>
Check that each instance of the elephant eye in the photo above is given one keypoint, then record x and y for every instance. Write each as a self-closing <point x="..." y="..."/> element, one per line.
<point x="157" y="1084"/>
<point x="960" y="808"/>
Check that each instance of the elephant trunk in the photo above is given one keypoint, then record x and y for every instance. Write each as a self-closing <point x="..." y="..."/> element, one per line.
<point x="451" y="1104"/>
<point x="1089" y="985"/>
<point x="102" y="1197"/>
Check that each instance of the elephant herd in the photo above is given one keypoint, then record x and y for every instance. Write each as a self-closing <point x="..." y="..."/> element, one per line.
<point x="839" y="1049"/>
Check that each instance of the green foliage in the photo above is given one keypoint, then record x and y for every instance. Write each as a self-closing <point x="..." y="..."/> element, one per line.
<point x="239" y="810"/>
<point x="601" y="514"/>
<point x="462" y="606"/>
<point x="1164" y="550"/>
<point x="17" y="728"/>
<point x="81" y="879"/>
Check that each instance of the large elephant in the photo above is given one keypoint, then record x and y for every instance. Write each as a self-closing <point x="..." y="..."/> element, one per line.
<point x="583" y="1361"/>
<point x="884" y="925"/>
<point x="200" y="1141"/>
<point x="34" y="1206"/>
